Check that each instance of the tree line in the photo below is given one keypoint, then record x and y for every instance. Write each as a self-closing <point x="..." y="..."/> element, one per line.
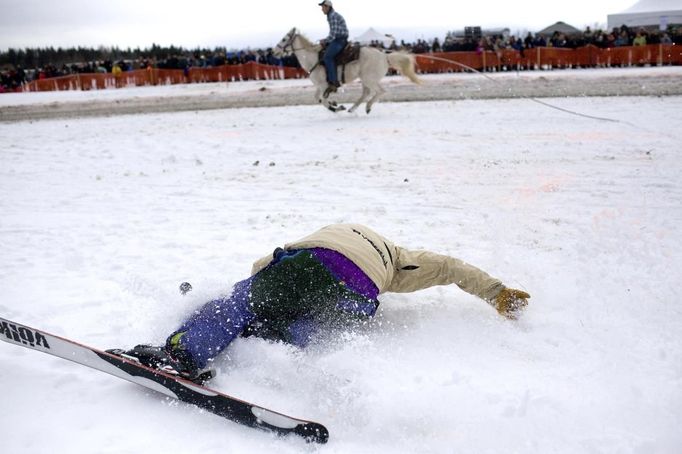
<point x="43" y="56"/>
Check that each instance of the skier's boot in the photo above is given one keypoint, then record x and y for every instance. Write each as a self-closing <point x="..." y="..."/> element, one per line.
<point x="161" y="359"/>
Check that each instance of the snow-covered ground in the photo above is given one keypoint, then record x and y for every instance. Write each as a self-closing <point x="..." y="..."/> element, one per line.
<point x="441" y="81"/>
<point x="103" y="217"/>
<point x="645" y="81"/>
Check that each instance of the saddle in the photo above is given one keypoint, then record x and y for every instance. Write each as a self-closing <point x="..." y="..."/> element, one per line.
<point x="349" y="54"/>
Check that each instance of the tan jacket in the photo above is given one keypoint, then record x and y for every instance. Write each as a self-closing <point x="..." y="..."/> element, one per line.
<point x="393" y="268"/>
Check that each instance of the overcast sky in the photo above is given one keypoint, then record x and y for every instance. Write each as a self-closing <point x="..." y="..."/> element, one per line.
<point x="260" y="23"/>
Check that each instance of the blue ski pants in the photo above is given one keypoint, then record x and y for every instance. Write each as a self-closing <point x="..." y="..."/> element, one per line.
<point x="289" y="300"/>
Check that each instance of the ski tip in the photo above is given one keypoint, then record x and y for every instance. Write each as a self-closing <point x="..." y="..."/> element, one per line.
<point x="313" y="432"/>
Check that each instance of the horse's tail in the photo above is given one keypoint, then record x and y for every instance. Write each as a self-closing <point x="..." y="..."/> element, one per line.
<point x="403" y="62"/>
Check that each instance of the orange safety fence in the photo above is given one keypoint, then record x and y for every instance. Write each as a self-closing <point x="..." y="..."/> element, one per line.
<point x="550" y="57"/>
<point x="437" y="62"/>
<point x="461" y="61"/>
<point x="247" y="71"/>
<point x="651" y="54"/>
<point x="155" y="76"/>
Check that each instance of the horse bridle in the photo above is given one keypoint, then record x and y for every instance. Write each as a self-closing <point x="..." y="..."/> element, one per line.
<point x="290" y="43"/>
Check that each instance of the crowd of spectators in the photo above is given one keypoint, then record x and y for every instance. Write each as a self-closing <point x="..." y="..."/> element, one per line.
<point x="622" y="36"/>
<point x="16" y="76"/>
<point x="12" y="77"/>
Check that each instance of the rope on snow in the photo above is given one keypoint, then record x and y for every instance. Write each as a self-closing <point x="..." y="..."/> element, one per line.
<point x="546" y="104"/>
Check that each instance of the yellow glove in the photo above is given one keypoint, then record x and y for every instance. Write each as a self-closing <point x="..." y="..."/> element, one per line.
<point x="509" y="302"/>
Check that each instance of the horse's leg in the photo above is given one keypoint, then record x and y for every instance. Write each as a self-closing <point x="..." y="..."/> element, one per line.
<point x="320" y="85"/>
<point x="363" y="96"/>
<point x="331" y="105"/>
<point x="378" y="91"/>
<point x="373" y="65"/>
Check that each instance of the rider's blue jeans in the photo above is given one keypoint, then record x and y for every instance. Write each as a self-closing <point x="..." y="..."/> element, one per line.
<point x="333" y="49"/>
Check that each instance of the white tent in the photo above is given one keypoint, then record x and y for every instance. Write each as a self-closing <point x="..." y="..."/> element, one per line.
<point x="648" y="13"/>
<point x="371" y="35"/>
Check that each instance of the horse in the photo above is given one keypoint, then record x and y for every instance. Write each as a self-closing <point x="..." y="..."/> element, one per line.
<point x="370" y="67"/>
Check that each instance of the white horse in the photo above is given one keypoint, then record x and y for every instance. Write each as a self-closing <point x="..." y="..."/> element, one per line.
<point x="370" y="67"/>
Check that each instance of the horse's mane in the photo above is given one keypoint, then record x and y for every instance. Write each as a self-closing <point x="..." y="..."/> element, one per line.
<point x="306" y="41"/>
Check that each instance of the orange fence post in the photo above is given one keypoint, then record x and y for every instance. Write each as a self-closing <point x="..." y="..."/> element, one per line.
<point x="538" y="60"/>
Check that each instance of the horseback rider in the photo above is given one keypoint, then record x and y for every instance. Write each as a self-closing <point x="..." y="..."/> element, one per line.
<point x="335" y="43"/>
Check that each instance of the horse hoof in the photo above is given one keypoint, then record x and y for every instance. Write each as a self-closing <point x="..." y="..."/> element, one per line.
<point x="334" y="107"/>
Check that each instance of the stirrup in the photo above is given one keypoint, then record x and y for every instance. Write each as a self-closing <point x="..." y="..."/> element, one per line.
<point x="330" y="89"/>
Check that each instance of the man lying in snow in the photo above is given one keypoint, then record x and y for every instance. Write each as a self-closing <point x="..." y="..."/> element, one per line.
<point x="328" y="279"/>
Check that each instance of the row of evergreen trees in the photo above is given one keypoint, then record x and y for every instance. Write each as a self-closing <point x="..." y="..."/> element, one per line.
<point x="39" y="57"/>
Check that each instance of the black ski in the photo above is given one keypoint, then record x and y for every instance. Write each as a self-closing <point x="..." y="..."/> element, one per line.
<point x="186" y="391"/>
